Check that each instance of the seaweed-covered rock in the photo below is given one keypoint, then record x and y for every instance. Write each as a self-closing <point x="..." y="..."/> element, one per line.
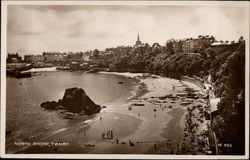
<point x="53" y="105"/>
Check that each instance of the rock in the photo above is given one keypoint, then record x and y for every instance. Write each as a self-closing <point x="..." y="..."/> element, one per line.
<point x="75" y="100"/>
<point x="53" y="105"/>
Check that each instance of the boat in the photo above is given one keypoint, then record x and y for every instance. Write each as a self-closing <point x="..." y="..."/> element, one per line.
<point x="86" y="122"/>
<point x="61" y="111"/>
<point x="89" y="145"/>
<point x="22" y="75"/>
<point x="62" y="68"/>
<point x="185" y="103"/>
<point x="68" y="116"/>
<point x="35" y="73"/>
<point x="107" y="137"/>
<point x="138" y="104"/>
<point x="92" y="71"/>
<point x="120" y="82"/>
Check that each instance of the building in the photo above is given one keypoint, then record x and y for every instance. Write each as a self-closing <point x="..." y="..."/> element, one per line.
<point x="38" y="58"/>
<point x="33" y="58"/>
<point x="28" y="58"/>
<point x="14" y="58"/>
<point x="55" y="57"/>
<point x="75" y="57"/>
<point x="197" y="44"/>
<point x="177" y="46"/>
<point x="13" y="66"/>
<point x="38" y="64"/>
<point x="138" y="42"/>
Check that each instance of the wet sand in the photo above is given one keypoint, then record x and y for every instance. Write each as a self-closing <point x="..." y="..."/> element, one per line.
<point x="79" y="135"/>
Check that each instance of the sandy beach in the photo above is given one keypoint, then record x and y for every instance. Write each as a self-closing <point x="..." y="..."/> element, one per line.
<point x="163" y="121"/>
<point x="152" y="121"/>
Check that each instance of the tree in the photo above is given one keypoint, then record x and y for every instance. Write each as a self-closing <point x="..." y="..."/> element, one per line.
<point x="169" y="47"/>
<point x="241" y="39"/>
<point x="96" y="52"/>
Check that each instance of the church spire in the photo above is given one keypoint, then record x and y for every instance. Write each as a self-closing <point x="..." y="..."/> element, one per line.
<point x="138" y="42"/>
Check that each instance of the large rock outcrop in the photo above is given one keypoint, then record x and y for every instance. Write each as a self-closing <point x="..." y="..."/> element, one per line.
<point x="75" y="100"/>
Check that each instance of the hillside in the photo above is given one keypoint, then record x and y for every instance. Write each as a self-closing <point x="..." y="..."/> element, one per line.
<point x="226" y="65"/>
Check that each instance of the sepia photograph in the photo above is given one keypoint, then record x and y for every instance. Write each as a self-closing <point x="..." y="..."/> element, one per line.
<point x="115" y="79"/>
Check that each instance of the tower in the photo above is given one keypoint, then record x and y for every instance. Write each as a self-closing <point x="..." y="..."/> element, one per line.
<point x="138" y="42"/>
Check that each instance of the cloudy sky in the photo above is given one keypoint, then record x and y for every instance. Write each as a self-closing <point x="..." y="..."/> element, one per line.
<point x="34" y="29"/>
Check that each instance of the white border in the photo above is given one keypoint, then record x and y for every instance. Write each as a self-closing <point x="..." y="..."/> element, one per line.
<point x="4" y="5"/>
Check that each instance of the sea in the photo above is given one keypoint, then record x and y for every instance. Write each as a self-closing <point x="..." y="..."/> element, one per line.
<point x="26" y="121"/>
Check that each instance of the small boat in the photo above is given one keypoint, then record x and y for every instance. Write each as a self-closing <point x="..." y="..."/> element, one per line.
<point x="92" y="71"/>
<point x="86" y="122"/>
<point x="89" y="145"/>
<point x="130" y="108"/>
<point x="62" y="68"/>
<point x="61" y="111"/>
<point x="108" y="137"/>
<point x="35" y="73"/>
<point x="68" y="116"/>
<point x="185" y="103"/>
<point x="23" y="75"/>
<point x="138" y="104"/>
<point x="120" y="82"/>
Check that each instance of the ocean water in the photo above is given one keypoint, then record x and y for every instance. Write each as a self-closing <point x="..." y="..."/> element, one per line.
<point x="26" y="121"/>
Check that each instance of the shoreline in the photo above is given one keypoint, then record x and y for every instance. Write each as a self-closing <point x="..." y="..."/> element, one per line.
<point x="150" y="124"/>
<point x="148" y="148"/>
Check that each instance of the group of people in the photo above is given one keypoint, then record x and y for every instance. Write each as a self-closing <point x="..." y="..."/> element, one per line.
<point x="108" y="135"/>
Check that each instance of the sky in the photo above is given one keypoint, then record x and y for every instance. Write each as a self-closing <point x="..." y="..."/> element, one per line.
<point x="33" y="29"/>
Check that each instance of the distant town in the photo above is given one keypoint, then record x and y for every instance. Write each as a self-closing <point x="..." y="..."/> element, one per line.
<point x="102" y="60"/>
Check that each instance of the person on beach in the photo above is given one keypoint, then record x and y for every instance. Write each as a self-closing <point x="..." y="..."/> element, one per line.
<point x="111" y="133"/>
<point x="138" y="114"/>
<point x="107" y="134"/>
<point x="103" y="135"/>
<point x="155" y="147"/>
<point x="154" y="115"/>
<point x="117" y="141"/>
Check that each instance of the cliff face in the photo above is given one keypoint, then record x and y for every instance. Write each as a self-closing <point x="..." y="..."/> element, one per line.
<point x="75" y="100"/>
